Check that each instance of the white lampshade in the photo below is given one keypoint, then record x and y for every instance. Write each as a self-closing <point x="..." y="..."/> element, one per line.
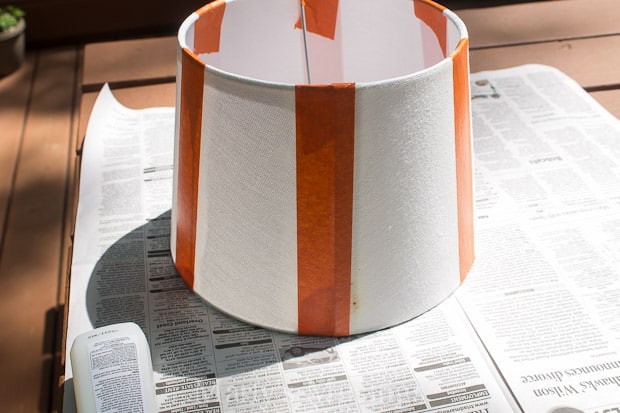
<point x="326" y="192"/>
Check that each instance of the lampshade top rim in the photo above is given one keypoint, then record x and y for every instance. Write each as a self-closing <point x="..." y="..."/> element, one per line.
<point x="190" y="21"/>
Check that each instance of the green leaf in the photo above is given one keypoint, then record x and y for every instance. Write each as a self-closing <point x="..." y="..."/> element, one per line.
<point x="9" y="17"/>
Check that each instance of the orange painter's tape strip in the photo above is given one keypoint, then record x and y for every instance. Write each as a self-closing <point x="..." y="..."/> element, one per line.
<point x="464" y="184"/>
<point x="208" y="27"/>
<point x="431" y="13"/>
<point x="321" y="17"/>
<point x="192" y="85"/>
<point x="325" y="126"/>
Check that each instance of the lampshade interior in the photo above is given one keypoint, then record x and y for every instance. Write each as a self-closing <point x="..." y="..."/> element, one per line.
<point x="372" y="41"/>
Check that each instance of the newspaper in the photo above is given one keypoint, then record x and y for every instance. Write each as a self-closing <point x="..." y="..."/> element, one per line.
<point x="544" y="295"/>
<point x="535" y="327"/>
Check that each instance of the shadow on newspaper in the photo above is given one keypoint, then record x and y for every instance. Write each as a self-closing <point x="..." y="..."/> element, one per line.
<point x="135" y="280"/>
<point x="207" y="361"/>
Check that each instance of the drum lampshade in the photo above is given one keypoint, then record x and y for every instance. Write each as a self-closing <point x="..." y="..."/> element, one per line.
<point x="323" y="171"/>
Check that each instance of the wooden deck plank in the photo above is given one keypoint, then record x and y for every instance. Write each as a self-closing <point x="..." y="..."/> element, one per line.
<point x="29" y="264"/>
<point x="129" y="62"/>
<point x="610" y="99"/>
<point x="14" y="94"/>
<point x="73" y="169"/>
<point x="592" y="62"/>
<point x="540" y="21"/>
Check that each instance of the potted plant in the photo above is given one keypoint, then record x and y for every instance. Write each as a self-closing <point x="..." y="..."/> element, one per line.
<point x="12" y="38"/>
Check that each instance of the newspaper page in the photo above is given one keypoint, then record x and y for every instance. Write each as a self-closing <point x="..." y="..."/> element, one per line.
<point x="206" y="361"/>
<point x="544" y="293"/>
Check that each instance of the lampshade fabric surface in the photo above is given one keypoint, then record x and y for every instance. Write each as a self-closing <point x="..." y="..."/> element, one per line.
<point x="327" y="192"/>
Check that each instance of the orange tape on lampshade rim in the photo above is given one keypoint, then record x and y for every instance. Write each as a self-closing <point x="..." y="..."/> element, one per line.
<point x="190" y="125"/>
<point x="321" y="17"/>
<point x="431" y="13"/>
<point x="208" y="27"/>
<point x="464" y="180"/>
<point x="325" y="126"/>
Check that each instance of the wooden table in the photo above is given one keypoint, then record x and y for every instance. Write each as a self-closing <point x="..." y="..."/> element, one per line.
<point x="579" y="37"/>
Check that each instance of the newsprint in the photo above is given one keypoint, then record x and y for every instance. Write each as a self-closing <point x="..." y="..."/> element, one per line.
<point x="535" y="327"/>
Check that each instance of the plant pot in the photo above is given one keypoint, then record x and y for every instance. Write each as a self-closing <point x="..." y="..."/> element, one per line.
<point x="12" y="48"/>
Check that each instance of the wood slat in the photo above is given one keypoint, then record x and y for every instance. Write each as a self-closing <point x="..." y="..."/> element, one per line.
<point x="30" y="260"/>
<point x="541" y="21"/>
<point x="14" y="94"/>
<point x="68" y="224"/>
<point x="610" y="99"/>
<point x="129" y="63"/>
<point x="592" y="62"/>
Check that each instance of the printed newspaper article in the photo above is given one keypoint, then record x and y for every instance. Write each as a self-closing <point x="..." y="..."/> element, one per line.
<point x="544" y="293"/>
<point x="534" y="327"/>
